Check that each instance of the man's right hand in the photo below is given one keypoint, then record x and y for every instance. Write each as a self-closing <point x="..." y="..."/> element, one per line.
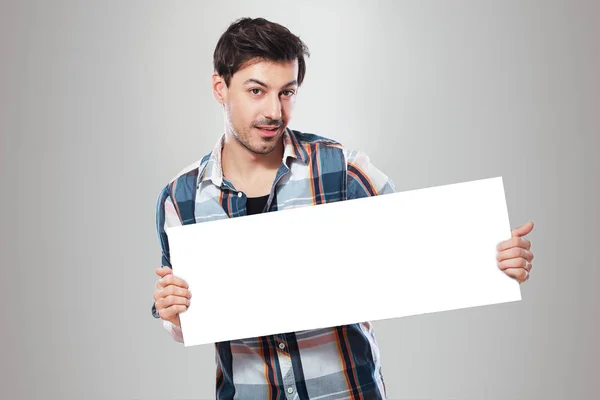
<point x="172" y="296"/>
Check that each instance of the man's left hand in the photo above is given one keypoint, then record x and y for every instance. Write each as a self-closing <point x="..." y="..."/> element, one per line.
<point x="514" y="255"/>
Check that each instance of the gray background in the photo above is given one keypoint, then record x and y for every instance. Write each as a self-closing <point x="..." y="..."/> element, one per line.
<point x="103" y="102"/>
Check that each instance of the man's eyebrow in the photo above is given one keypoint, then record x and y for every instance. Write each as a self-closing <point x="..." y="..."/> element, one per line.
<point x="252" y="80"/>
<point x="291" y="83"/>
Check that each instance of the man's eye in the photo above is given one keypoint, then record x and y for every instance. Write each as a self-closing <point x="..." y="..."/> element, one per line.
<point x="288" y="92"/>
<point x="255" y="91"/>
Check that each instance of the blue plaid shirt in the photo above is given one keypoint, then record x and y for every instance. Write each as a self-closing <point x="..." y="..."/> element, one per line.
<point x="339" y="362"/>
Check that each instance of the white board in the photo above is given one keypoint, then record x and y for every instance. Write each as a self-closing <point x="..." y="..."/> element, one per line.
<point x="389" y="256"/>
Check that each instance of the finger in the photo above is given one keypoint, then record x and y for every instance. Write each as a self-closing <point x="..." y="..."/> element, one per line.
<point x="522" y="230"/>
<point x="171" y="312"/>
<point x="163" y="271"/>
<point x="173" y="290"/>
<point x="171" y="279"/>
<point x="515" y="241"/>
<point x="514" y="263"/>
<point x="173" y="300"/>
<point x="515" y="252"/>
<point x="520" y="274"/>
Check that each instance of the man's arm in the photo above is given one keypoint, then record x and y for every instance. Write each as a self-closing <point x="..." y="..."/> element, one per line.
<point x="363" y="178"/>
<point x="166" y="217"/>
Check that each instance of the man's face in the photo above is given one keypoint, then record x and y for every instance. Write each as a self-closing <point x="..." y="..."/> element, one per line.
<point x="259" y="103"/>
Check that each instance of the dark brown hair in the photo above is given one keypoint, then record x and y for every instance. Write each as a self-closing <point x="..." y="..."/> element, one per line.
<point x="257" y="38"/>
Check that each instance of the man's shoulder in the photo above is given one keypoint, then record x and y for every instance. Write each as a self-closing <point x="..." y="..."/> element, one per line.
<point x="318" y="141"/>
<point x="184" y="183"/>
<point x="192" y="170"/>
<point x="309" y="138"/>
<point x="314" y="141"/>
<point x="364" y="178"/>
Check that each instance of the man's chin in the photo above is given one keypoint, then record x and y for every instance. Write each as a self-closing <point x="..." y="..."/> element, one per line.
<point x="266" y="150"/>
<point x="262" y="147"/>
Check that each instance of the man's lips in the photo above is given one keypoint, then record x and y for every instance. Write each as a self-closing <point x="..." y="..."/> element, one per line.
<point x="268" y="131"/>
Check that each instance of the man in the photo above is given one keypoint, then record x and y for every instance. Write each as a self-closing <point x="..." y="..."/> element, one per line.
<point x="261" y="165"/>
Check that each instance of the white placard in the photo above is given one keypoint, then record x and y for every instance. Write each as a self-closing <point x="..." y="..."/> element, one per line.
<point x="389" y="256"/>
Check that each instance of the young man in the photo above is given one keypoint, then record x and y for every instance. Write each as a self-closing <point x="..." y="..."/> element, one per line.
<point x="261" y="165"/>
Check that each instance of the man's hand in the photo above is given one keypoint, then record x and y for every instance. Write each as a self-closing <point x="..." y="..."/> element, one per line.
<point x="515" y="256"/>
<point x="172" y="296"/>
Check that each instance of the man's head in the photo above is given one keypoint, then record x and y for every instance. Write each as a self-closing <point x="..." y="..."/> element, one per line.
<point x="259" y="66"/>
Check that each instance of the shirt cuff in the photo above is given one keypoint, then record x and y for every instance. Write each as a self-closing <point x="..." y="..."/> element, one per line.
<point x="174" y="331"/>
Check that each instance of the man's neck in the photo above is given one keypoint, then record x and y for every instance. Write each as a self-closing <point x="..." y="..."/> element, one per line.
<point x="249" y="171"/>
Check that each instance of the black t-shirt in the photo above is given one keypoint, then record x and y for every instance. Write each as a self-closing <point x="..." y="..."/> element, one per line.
<point x="256" y="205"/>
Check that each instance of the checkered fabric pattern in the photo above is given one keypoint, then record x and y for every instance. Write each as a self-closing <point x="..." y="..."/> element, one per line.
<point x="341" y="362"/>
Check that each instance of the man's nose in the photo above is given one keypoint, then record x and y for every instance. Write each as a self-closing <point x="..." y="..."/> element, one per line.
<point x="273" y="108"/>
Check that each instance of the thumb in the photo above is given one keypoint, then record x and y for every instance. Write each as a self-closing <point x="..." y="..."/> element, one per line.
<point x="164" y="271"/>
<point x="523" y="229"/>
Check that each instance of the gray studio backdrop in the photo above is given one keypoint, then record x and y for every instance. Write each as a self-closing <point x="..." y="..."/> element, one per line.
<point x="103" y="102"/>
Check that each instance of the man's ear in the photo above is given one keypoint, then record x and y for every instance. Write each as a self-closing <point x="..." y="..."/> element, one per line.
<point x="219" y="88"/>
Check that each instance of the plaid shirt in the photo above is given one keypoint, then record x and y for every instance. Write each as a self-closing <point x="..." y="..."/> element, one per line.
<point x="332" y="363"/>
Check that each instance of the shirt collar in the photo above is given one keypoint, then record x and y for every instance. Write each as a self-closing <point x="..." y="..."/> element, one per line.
<point x="213" y="170"/>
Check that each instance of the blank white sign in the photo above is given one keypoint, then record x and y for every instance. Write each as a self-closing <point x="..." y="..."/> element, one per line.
<point x="375" y="258"/>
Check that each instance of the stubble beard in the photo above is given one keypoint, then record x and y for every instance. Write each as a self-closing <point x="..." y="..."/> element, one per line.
<point x="266" y="145"/>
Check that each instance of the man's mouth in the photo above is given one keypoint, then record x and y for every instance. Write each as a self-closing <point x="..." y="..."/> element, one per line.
<point x="268" y="131"/>
<point x="268" y="128"/>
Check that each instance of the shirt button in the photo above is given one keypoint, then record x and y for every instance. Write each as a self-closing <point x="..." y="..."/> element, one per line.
<point x="281" y="346"/>
<point x="240" y="194"/>
<point x="290" y="390"/>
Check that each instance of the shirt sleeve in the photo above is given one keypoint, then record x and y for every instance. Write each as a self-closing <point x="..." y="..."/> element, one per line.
<point x="174" y="331"/>
<point x="166" y="217"/>
<point x="364" y="179"/>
